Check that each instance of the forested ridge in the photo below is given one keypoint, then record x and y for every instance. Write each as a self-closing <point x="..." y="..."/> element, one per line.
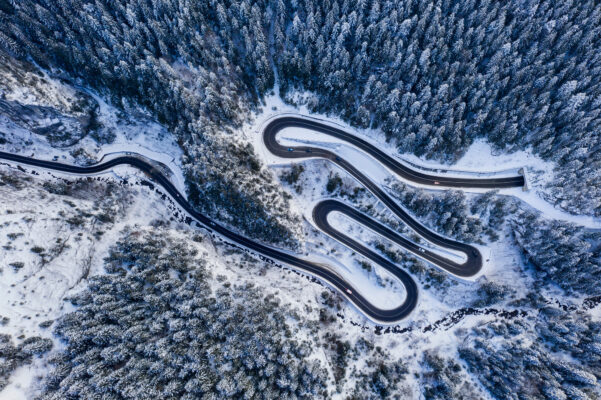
<point x="432" y="75"/>
<point x="435" y="75"/>
<point x="153" y="327"/>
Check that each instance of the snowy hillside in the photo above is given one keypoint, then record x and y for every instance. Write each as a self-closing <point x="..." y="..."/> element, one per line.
<point x="166" y="169"/>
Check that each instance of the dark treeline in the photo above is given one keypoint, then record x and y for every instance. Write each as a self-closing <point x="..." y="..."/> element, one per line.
<point x="433" y="75"/>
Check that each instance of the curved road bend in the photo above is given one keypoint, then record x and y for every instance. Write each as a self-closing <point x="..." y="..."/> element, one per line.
<point x="278" y="123"/>
<point x="324" y="208"/>
<point x="327" y="275"/>
<point x="474" y="263"/>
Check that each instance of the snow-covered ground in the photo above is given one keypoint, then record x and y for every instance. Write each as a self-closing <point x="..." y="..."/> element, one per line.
<point x="345" y="224"/>
<point x="34" y="222"/>
<point x="479" y="160"/>
<point x="35" y="293"/>
<point x="133" y="132"/>
<point x="36" y="219"/>
<point x="147" y="138"/>
<point x="41" y="219"/>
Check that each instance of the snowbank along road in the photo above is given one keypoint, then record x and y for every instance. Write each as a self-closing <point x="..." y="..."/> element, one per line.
<point x="378" y="315"/>
<point x="278" y="123"/>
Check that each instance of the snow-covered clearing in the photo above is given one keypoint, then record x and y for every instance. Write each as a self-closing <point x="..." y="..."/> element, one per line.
<point x="51" y="246"/>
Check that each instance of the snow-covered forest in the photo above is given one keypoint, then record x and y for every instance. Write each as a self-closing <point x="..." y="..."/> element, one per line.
<point x="432" y="75"/>
<point x="147" y="307"/>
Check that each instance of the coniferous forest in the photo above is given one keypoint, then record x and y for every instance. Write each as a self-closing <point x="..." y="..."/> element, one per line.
<point x="434" y="77"/>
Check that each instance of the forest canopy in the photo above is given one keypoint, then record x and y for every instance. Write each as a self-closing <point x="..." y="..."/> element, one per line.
<point x="432" y="75"/>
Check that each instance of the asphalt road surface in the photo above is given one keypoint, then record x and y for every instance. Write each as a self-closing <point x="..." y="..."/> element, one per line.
<point x="267" y="253"/>
<point x="324" y="208"/>
<point x="277" y="124"/>
<point x="321" y="211"/>
<point x="473" y="262"/>
<point x="474" y="258"/>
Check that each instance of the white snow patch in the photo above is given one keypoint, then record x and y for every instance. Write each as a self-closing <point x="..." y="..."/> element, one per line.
<point x="139" y="134"/>
<point x="147" y="138"/>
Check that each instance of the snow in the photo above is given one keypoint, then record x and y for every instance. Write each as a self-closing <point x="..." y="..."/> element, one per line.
<point x="136" y="133"/>
<point x="146" y="138"/>
<point x="345" y="224"/>
<point x="479" y="160"/>
<point x="29" y="300"/>
<point x="22" y="380"/>
<point x="62" y="274"/>
<point x="36" y="293"/>
<point x="46" y="91"/>
<point x="503" y="263"/>
<point x="338" y="257"/>
<point x="369" y="166"/>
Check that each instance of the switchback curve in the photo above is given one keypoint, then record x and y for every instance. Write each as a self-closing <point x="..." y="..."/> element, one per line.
<point x="378" y="315"/>
<point x="324" y="208"/>
<point x="281" y="122"/>
<point x="321" y="211"/>
<point x="474" y="259"/>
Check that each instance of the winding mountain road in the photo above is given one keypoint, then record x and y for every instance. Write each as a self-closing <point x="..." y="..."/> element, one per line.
<point x="321" y="211"/>
<point x="385" y="316"/>
<point x="474" y="258"/>
<point x="277" y="124"/>
<point x="320" y="215"/>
